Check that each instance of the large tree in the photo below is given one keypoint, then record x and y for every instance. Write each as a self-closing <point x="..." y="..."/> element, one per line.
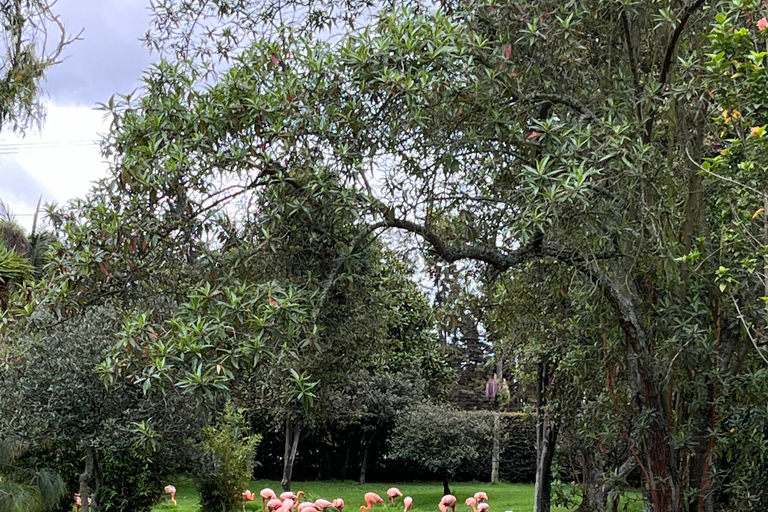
<point x="563" y="133"/>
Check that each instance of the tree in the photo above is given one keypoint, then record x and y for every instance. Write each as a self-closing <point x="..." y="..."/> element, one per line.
<point x="54" y="402"/>
<point x="440" y="439"/>
<point x="34" y="38"/>
<point x="535" y="133"/>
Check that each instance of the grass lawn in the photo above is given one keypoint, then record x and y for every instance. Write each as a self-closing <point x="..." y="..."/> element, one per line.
<point x="426" y="496"/>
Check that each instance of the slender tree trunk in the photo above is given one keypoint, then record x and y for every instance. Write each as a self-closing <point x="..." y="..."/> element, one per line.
<point x="364" y="457"/>
<point x="85" y="478"/>
<point x="292" y="433"/>
<point x="545" y="454"/>
<point x="345" y="462"/>
<point x="446" y="485"/>
<point x="496" y="453"/>
<point x="546" y="437"/>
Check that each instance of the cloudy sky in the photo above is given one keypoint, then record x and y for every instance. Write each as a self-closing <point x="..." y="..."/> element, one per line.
<point x="61" y="161"/>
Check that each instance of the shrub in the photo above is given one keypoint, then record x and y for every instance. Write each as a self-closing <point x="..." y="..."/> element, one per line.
<point x="226" y="462"/>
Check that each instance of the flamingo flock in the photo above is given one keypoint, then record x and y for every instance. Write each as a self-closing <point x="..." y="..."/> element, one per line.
<point x="291" y="502"/>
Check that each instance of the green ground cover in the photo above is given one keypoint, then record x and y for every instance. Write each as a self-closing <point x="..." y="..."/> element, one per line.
<point x="502" y="498"/>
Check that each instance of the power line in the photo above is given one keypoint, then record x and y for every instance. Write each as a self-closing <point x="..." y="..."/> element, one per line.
<point x="13" y="148"/>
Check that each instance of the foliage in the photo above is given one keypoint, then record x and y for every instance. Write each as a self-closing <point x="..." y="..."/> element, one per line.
<point x="131" y="481"/>
<point x="439" y="438"/>
<point x="34" y="38"/>
<point x="60" y="406"/>
<point x="227" y="462"/>
<point x="26" y="489"/>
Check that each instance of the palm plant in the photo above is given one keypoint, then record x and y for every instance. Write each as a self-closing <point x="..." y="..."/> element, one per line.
<point x="24" y="489"/>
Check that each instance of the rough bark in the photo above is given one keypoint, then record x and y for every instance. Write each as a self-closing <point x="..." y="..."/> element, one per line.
<point x="446" y="485"/>
<point x="85" y="479"/>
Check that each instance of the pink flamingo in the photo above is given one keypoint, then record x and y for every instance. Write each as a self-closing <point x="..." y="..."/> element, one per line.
<point x="448" y="502"/>
<point x="481" y="496"/>
<point x="339" y="504"/>
<point x="248" y="495"/>
<point x="323" y="504"/>
<point x="266" y="495"/>
<point x="286" y="506"/>
<point x="308" y="506"/>
<point x="472" y="503"/>
<point x="169" y="489"/>
<point x="408" y="501"/>
<point x="483" y="507"/>
<point x="287" y="495"/>
<point x="392" y="493"/>
<point x="274" y="504"/>
<point x="79" y="501"/>
<point x="371" y="498"/>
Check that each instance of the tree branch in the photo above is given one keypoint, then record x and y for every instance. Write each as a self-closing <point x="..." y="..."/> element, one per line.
<point x="452" y="253"/>
<point x="568" y="101"/>
<point x="666" y="66"/>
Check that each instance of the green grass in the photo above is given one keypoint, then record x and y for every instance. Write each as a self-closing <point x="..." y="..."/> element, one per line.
<point x="426" y="496"/>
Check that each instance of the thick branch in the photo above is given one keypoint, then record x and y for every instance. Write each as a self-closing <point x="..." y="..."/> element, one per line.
<point x="666" y="66"/>
<point x="568" y="101"/>
<point x="451" y="253"/>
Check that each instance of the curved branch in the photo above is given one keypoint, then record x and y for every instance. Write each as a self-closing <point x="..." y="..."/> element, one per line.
<point x="451" y="253"/>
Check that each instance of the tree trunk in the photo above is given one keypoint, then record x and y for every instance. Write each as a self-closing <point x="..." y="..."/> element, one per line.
<point x="292" y="432"/>
<point x="85" y="478"/>
<point x="446" y="485"/>
<point x="496" y="453"/>
<point x="546" y="437"/>
<point x="364" y="459"/>
<point x="345" y="462"/>
<point x="544" y="455"/>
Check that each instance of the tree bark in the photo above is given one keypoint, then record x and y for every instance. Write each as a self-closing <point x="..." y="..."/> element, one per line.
<point x="345" y="462"/>
<point x="292" y="433"/>
<point x="496" y="453"/>
<point x="446" y="485"/>
<point x="546" y="437"/>
<point x="85" y="478"/>
<point x="364" y="459"/>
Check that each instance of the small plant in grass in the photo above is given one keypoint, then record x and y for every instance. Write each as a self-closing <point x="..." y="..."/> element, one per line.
<point x="227" y="462"/>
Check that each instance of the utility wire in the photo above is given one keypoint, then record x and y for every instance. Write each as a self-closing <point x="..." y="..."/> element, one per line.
<point x="13" y="148"/>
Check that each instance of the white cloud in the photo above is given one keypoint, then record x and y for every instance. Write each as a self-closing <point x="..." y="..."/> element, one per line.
<point x="60" y="163"/>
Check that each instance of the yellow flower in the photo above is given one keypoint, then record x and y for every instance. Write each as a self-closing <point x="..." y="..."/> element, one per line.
<point x="756" y="131"/>
<point x="735" y="114"/>
<point x="726" y="118"/>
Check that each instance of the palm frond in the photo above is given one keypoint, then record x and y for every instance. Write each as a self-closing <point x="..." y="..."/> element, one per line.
<point x="16" y="497"/>
<point x="13" y="267"/>
<point x="51" y="487"/>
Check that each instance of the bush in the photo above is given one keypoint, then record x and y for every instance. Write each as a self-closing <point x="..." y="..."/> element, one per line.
<point x="227" y="462"/>
<point x="441" y="439"/>
<point x="130" y="482"/>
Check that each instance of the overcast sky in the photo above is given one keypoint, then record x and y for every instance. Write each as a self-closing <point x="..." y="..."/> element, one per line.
<point x="60" y="162"/>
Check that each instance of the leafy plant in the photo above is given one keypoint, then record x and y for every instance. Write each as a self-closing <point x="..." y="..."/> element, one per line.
<point x="227" y="459"/>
